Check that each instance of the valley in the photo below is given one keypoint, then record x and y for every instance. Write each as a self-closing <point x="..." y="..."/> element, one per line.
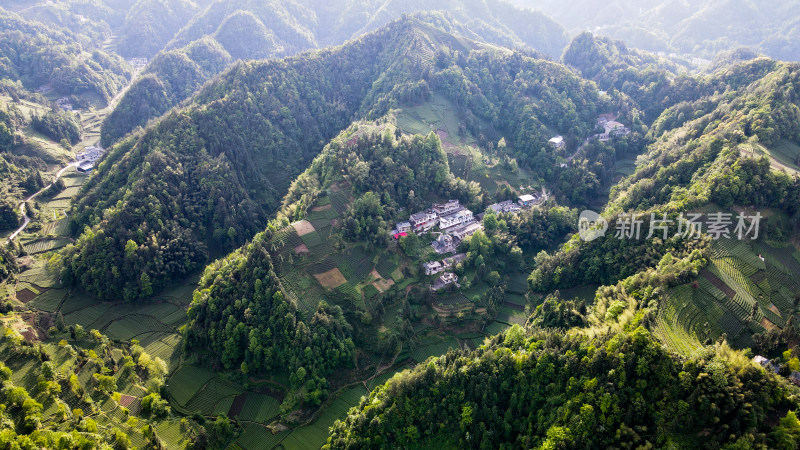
<point x="300" y="225"/>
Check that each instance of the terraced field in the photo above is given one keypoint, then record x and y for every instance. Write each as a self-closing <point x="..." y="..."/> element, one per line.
<point x="738" y="294"/>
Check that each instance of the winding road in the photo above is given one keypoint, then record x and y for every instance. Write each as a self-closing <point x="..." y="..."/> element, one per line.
<point x="27" y="220"/>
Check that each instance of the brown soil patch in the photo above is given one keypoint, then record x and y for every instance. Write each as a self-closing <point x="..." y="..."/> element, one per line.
<point x="237" y="405"/>
<point x="303" y="227"/>
<point x="767" y="324"/>
<point x="322" y="208"/>
<point x="514" y="306"/>
<point x="25" y="295"/>
<point x="29" y="335"/>
<point x="383" y="285"/>
<point x="331" y="278"/>
<point x="775" y="309"/>
<point x="380" y="284"/>
<point x="301" y="249"/>
<point x="718" y="283"/>
<point x="126" y="400"/>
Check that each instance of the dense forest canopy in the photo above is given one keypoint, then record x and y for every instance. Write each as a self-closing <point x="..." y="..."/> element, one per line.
<point x="259" y="30"/>
<point x="39" y="55"/>
<point x="534" y="389"/>
<point x="259" y="123"/>
<point x="264" y="161"/>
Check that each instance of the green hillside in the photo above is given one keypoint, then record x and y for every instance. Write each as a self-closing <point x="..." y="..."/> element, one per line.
<point x="253" y="165"/>
<point x="495" y="396"/>
<point x="57" y="59"/>
<point x="356" y="225"/>
<point x="170" y="78"/>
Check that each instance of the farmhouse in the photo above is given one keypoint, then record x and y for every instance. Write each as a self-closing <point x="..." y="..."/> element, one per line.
<point x="456" y="219"/>
<point x="90" y="154"/>
<point x="403" y="227"/>
<point x="64" y="104"/>
<point x="447" y="208"/>
<point x="453" y="260"/>
<point x="86" y="167"/>
<point x="466" y="230"/>
<point x="766" y="363"/>
<point x="433" y="267"/>
<point x="444" y="244"/>
<point x="423" y="221"/>
<point x="528" y="200"/>
<point x="505" y="207"/>
<point x="558" y="141"/>
<point x="445" y="280"/>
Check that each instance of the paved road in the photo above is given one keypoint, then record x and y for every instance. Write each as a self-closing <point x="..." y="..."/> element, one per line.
<point x="26" y="219"/>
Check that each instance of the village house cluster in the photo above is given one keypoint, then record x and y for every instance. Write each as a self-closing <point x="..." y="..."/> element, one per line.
<point x="794" y="377"/>
<point x="455" y="223"/>
<point x="88" y="157"/>
<point x="612" y="129"/>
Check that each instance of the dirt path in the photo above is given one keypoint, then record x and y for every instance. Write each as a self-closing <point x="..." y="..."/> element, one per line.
<point x="26" y="219"/>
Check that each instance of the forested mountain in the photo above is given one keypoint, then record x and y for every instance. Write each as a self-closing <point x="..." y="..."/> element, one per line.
<point x="700" y="29"/>
<point x="652" y="82"/>
<point x="260" y="123"/>
<point x="150" y="24"/>
<point x="303" y="24"/>
<point x="169" y="79"/>
<point x="279" y="143"/>
<point x="38" y="55"/>
<point x="697" y="157"/>
<point x="535" y="389"/>
<point x="256" y="30"/>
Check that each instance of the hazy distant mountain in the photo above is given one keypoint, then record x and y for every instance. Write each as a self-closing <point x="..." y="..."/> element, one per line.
<point x="250" y="29"/>
<point x="701" y="27"/>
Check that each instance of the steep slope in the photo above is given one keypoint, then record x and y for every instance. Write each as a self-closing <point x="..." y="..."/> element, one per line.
<point x="698" y="28"/>
<point x="653" y="82"/>
<point x="234" y="151"/>
<point x="731" y="151"/>
<point x="169" y="79"/>
<point x="261" y="123"/>
<point x="39" y="55"/>
<point x="540" y="389"/>
<point x="150" y="24"/>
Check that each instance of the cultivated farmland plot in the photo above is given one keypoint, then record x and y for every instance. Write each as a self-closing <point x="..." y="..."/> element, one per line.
<point x="130" y="326"/>
<point x="50" y="300"/>
<point x="86" y="316"/>
<point x="57" y="228"/>
<point x="257" y="436"/>
<point x="45" y="245"/>
<point x="260" y="408"/>
<point x="496" y="328"/>
<point x="434" y="347"/>
<point x="214" y="394"/>
<point x="510" y="316"/>
<point x="186" y="382"/>
<point x="40" y="276"/>
<point x="315" y="434"/>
